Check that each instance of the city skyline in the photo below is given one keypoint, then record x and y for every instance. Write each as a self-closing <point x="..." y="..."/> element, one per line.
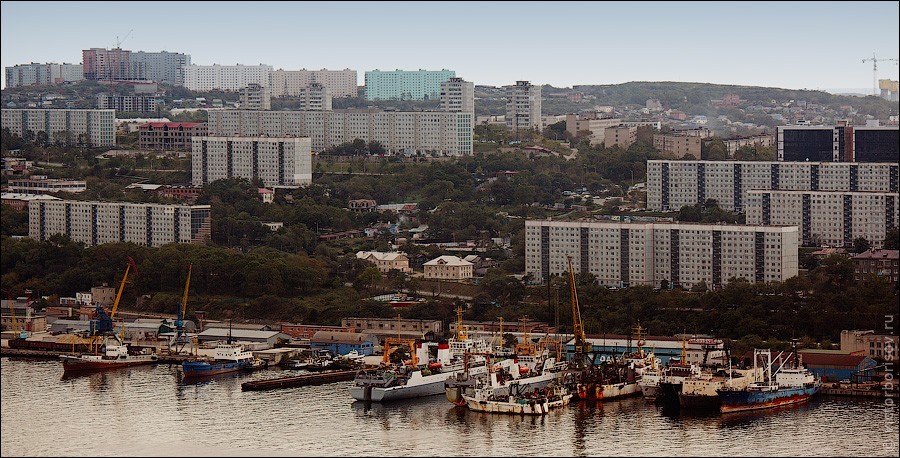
<point x="769" y="44"/>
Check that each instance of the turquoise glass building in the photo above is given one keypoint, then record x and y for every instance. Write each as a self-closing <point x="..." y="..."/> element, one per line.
<point x="406" y="85"/>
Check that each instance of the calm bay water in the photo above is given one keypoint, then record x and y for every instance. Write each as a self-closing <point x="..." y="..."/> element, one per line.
<point x="148" y="411"/>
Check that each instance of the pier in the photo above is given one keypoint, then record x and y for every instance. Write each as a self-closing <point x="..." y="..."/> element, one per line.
<point x="869" y="393"/>
<point x="299" y="380"/>
<point x="50" y="354"/>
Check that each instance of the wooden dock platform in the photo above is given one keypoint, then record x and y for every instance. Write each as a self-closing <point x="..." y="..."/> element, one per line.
<point x="870" y="393"/>
<point x="49" y="354"/>
<point x="299" y="380"/>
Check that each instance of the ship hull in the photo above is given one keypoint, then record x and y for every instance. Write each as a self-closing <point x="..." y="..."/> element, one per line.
<point x="524" y="407"/>
<point x="667" y="393"/>
<point x="650" y="392"/>
<point x="699" y="401"/>
<point x="393" y="393"/>
<point x="74" y="364"/>
<point x="601" y="392"/>
<point x="739" y="401"/>
<point x="203" y="369"/>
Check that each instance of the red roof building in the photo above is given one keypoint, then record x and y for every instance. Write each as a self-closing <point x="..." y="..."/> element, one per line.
<point x="884" y="263"/>
<point x="170" y="136"/>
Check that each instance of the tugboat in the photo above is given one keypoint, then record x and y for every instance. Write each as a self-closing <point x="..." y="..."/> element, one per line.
<point x="111" y="352"/>
<point x="229" y="357"/>
<point x="790" y="386"/>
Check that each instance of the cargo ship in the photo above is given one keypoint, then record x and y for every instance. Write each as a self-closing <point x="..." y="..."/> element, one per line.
<point x="228" y="358"/>
<point x="115" y="355"/>
<point x="792" y="385"/>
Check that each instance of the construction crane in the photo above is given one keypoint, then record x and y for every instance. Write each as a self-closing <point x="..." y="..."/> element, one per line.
<point x="581" y="346"/>
<point x="102" y="325"/>
<point x="180" y="340"/>
<point x="875" y="71"/>
<point x="119" y="42"/>
<point x="15" y="322"/>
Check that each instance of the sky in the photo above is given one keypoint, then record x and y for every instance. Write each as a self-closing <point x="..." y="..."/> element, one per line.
<point x="792" y="45"/>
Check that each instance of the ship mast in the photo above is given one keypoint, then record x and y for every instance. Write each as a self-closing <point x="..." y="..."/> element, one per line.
<point x="578" y="326"/>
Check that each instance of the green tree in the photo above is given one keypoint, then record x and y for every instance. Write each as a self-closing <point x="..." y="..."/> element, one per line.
<point x="860" y="245"/>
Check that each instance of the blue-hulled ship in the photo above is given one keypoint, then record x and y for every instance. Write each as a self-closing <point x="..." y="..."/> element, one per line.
<point x="789" y="386"/>
<point x="229" y="357"/>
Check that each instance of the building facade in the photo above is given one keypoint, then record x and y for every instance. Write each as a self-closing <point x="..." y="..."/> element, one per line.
<point x="94" y="128"/>
<point x="590" y="122"/>
<point x="427" y="132"/>
<point x="871" y="143"/>
<point x="458" y="95"/>
<point x="95" y="223"/>
<point x="386" y="261"/>
<point x="523" y="107"/>
<point x="677" y="146"/>
<point x="135" y="103"/>
<point x="42" y="74"/>
<point x="448" y="268"/>
<point x="878" y="262"/>
<point x="621" y="136"/>
<point x="169" y="136"/>
<point x="255" y="97"/>
<point x="674" y="184"/>
<point x="832" y="218"/>
<point x="406" y="85"/>
<point x="867" y="342"/>
<point x="41" y="184"/>
<point x="622" y="254"/>
<point x="314" y="97"/>
<point x="161" y="67"/>
<point x="732" y="144"/>
<point x="106" y="64"/>
<point x="340" y="83"/>
<point x="387" y="327"/>
<point x="225" y="77"/>
<point x="281" y="162"/>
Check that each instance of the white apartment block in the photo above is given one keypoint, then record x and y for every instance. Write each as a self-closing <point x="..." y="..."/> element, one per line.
<point x="523" y="106"/>
<point x="458" y="96"/>
<point x="95" y="128"/>
<point x="674" y="184"/>
<point x="255" y="97"/>
<point x="225" y="77"/>
<point x="428" y="132"/>
<point x="134" y="103"/>
<point x="833" y="218"/>
<point x="280" y="162"/>
<point x="340" y="83"/>
<point x="41" y="184"/>
<point x="161" y="67"/>
<point x="95" y="223"/>
<point x="314" y="97"/>
<point x="42" y="74"/>
<point x="622" y="254"/>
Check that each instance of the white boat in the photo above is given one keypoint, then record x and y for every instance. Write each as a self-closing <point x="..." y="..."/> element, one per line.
<point x="535" y="402"/>
<point x="115" y="355"/>
<point x="504" y="378"/>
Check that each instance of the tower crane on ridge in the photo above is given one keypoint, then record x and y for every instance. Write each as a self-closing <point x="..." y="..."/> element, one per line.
<point x="119" y="42"/>
<point x="875" y="71"/>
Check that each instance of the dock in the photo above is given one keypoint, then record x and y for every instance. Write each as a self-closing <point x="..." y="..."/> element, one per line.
<point x="299" y="380"/>
<point x="49" y="354"/>
<point x="870" y="393"/>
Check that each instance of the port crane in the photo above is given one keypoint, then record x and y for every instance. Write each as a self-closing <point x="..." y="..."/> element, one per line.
<point x="15" y="321"/>
<point x="102" y="325"/>
<point x="180" y="340"/>
<point x="875" y="71"/>
<point x="582" y="348"/>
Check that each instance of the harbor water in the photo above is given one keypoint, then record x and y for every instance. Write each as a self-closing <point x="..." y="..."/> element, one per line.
<point x="150" y="411"/>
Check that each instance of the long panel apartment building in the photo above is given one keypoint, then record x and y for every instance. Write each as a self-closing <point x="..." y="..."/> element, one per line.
<point x="95" y="223"/>
<point x="428" y="132"/>
<point x="839" y="143"/>
<point x="42" y="74"/>
<point x="340" y="83"/>
<point x="658" y="254"/>
<point x="225" y="77"/>
<point x="674" y="184"/>
<point x="833" y="218"/>
<point x="280" y="162"/>
<point x="81" y="127"/>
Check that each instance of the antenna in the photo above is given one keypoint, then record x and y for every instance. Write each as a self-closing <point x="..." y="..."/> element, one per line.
<point x="875" y="71"/>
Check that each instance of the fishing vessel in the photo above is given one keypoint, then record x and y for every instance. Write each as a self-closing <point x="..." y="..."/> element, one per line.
<point x="700" y="392"/>
<point x="661" y="385"/>
<point x="502" y="377"/>
<point x="790" y="385"/>
<point x="111" y="351"/>
<point x="538" y="401"/>
<point x="228" y="357"/>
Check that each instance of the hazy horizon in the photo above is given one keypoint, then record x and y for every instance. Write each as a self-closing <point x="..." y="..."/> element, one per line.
<point x="764" y="44"/>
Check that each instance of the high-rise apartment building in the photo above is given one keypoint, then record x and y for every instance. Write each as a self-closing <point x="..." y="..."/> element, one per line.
<point x="107" y="64"/>
<point x="458" y="95"/>
<point x="96" y="223"/>
<point x="871" y="143"/>
<point x="255" y="97"/>
<point x="426" y="132"/>
<point x="161" y="67"/>
<point x="674" y="184"/>
<point x="833" y="218"/>
<point x="42" y="74"/>
<point x="593" y="122"/>
<point x="523" y="107"/>
<point x="80" y="127"/>
<point x="134" y="103"/>
<point x="314" y="97"/>
<point x="281" y="162"/>
<point x="169" y="136"/>
<point x="340" y="83"/>
<point x="660" y="254"/>
<point x="406" y="85"/>
<point x="225" y="77"/>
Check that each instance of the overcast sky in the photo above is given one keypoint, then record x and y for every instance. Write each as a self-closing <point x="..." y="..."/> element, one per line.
<point x="795" y="45"/>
